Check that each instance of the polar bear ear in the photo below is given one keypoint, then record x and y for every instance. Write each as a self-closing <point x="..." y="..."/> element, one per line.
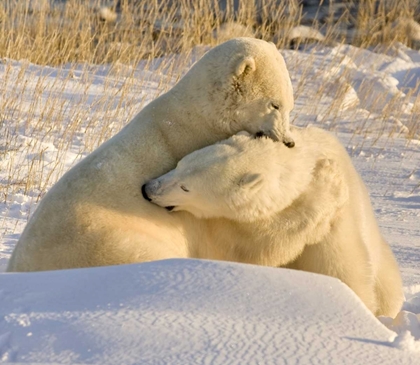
<point x="245" y="65"/>
<point x="251" y="181"/>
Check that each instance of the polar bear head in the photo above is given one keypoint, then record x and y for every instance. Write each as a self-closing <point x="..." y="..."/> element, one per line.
<point x="242" y="84"/>
<point x="242" y="178"/>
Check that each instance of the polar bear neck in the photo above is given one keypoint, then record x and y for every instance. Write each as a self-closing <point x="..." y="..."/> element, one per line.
<point x="186" y="127"/>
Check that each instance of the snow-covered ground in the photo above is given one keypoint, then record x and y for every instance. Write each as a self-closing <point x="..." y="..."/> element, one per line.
<point x="190" y="312"/>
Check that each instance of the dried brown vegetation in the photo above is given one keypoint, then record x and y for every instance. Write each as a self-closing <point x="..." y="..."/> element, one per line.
<point x="53" y="33"/>
<point x="40" y="127"/>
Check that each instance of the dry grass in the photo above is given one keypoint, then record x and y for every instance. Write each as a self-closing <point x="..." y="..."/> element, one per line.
<point x="53" y="34"/>
<point x="72" y="34"/>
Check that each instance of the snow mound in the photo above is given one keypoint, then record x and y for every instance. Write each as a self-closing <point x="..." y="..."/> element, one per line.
<point x="407" y="323"/>
<point x="190" y="312"/>
<point x="405" y="341"/>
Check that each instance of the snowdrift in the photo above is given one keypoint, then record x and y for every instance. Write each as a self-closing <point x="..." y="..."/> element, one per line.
<point x="190" y="312"/>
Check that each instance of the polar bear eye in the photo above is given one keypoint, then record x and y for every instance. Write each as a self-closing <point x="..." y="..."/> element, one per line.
<point x="184" y="188"/>
<point x="275" y="106"/>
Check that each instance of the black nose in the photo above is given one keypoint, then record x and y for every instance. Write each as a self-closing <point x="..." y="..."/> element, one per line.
<point x="143" y="192"/>
<point x="260" y="134"/>
<point x="290" y="144"/>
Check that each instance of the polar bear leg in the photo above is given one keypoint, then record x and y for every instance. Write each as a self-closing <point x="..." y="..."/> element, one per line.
<point x="343" y="256"/>
<point x="388" y="285"/>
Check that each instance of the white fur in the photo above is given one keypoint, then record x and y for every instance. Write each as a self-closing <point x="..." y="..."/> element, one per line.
<point x="244" y="185"/>
<point x="95" y="217"/>
<point x="305" y="208"/>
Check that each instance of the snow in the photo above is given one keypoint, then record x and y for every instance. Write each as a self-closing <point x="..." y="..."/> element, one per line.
<point x="190" y="312"/>
<point x="186" y="311"/>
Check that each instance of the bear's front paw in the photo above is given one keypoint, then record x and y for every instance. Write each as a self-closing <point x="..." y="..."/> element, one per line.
<point x="329" y="179"/>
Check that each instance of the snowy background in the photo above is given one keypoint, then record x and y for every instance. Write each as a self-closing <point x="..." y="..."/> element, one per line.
<point x="197" y="312"/>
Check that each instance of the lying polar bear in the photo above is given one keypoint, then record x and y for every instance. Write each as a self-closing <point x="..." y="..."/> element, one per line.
<point x="304" y="208"/>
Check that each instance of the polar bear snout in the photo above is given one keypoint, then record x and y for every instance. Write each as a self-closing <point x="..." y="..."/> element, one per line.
<point x="149" y="189"/>
<point x="287" y="141"/>
<point x="289" y="144"/>
<point x="155" y="191"/>
<point x="144" y="192"/>
<point x="286" y="138"/>
<point x="277" y="137"/>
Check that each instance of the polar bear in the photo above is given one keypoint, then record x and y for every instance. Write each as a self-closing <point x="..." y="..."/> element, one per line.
<point x="304" y="208"/>
<point x="95" y="214"/>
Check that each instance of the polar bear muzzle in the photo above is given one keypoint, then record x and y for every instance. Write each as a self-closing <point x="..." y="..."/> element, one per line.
<point x="148" y="190"/>
<point x="144" y="193"/>
<point x="288" y="142"/>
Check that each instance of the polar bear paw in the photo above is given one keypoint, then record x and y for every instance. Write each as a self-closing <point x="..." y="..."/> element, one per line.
<point x="329" y="179"/>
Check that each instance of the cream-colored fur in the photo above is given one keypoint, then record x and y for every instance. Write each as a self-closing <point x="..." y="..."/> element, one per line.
<point x="304" y="208"/>
<point x="95" y="215"/>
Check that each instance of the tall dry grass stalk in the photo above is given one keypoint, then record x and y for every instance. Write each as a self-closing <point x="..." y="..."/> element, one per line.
<point x="72" y="33"/>
<point x="53" y="33"/>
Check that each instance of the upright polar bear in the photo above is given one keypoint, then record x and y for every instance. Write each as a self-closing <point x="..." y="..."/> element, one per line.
<point x="304" y="208"/>
<point x="95" y="214"/>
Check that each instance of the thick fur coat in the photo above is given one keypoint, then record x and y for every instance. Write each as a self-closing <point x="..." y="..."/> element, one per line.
<point x="95" y="214"/>
<point x="304" y="208"/>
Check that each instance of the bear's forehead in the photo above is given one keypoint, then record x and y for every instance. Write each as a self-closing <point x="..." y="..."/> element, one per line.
<point x="238" y="155"/>
<point x="208" y="154"/>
